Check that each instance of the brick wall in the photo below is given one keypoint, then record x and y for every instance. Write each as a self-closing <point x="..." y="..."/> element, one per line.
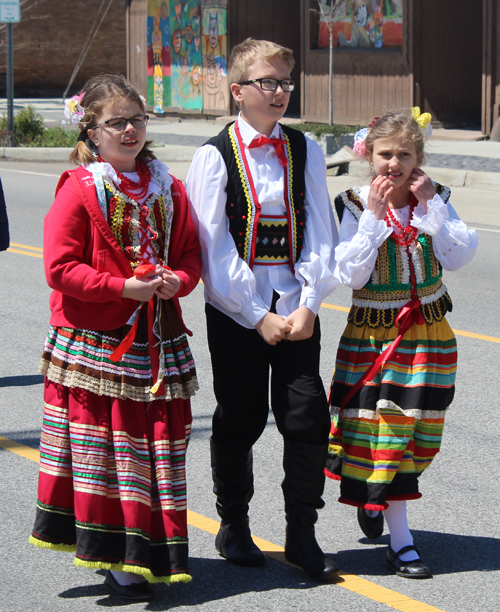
<point x="49" y="39"/>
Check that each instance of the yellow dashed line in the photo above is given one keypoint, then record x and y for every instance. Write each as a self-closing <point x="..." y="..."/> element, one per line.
<point x="351" y="582"/>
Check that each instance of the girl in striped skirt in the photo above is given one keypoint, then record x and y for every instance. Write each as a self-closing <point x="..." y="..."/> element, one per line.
<point x="120" y="248"/>
<point x="395" y="369"/>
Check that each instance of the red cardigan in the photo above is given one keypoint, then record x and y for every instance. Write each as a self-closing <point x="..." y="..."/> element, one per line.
<point x="85" y="266"/>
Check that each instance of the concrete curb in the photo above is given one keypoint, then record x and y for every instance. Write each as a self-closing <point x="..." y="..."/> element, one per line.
<point x="178" y="153"/>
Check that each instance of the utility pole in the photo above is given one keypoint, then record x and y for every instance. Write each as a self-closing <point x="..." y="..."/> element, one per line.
<point x="10" y="13"/>
<point x="328" y="14"/>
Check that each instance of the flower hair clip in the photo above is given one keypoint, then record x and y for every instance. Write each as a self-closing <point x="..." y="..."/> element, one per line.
<point x="72" y="109"/>
<point x="423" y="120"/>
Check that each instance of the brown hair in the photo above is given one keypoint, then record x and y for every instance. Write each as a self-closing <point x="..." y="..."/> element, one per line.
<point x="100" y="91"/>
<point x="396" y="123"/>
<point x="249" y="51"/>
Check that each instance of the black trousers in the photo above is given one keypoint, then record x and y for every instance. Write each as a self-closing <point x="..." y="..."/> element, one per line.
<point x="243" y="363"/>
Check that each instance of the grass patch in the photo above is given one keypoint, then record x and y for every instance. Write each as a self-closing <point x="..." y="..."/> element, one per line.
<point x="319" y="129"/>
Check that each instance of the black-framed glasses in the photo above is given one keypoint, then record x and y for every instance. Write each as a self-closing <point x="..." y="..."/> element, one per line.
<point x="118" y="124"/>
<point x="267" y="84"/>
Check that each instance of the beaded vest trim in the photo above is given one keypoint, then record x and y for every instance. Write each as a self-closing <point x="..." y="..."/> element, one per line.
<point x="389" y="288"/>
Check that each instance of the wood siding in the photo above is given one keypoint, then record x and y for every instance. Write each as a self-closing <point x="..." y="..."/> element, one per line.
<point x="137" y="45"/>
<point x="365" y="84"/>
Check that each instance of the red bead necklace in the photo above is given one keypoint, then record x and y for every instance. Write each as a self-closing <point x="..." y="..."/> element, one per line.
<point x="135" y="191"/>
<point x="407" y="235"/>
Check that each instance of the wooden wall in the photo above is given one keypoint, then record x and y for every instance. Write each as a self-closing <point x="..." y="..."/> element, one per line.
<point x="365" y="84"/>
<point x="137" y="45"/>
<point x="448" y="56"/>
<point x="491" y="65"/>
<point x="275" y="20"/>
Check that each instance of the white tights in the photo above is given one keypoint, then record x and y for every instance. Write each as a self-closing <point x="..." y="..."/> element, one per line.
<point x="127" y="578"/>
<point x="395" y="515"/>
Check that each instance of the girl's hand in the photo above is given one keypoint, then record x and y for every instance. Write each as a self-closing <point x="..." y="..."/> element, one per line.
<point x="142" y="289"/>
<point x="378" y="198"/>
<point x="171" y="284"/>
<point x="421" y="186"/>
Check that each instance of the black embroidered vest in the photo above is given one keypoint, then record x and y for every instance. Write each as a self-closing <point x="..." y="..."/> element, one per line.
<point x="242" y="209"/>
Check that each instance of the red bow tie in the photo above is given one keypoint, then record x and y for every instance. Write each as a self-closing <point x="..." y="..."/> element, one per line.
<point x="277" y="143"/>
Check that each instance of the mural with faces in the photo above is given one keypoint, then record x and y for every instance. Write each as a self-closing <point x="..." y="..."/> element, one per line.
<point x="186" y="56"/>
<point x="159" y="63"/>
<point x="214" y="44"/>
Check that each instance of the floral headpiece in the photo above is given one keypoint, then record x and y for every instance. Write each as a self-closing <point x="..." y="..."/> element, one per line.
<point x="72" y="109"/>
<point x="423" y="120"/>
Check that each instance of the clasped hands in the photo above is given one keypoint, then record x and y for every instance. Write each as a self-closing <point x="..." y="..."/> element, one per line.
<point x="299" y="325"/>
<point x="158" y="281"/>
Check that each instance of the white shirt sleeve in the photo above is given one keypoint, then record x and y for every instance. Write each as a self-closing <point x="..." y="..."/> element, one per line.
<point x="453" y="242"/>
<point x="227" y="278"/>
<point x="315" y="269"/>
<point x="358" y="249"/>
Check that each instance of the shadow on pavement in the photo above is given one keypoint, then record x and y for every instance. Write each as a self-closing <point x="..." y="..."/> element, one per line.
<point x="445" y="553"/>
<point x="21" y="381"/>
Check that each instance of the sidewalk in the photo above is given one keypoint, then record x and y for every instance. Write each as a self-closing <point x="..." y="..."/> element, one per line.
<point x="454" y="158"/>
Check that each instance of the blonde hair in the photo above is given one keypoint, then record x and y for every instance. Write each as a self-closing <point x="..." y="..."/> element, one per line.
<point x="100" y="91"/>
<point x="251" y="50"/>
<point x="396" y="123"/>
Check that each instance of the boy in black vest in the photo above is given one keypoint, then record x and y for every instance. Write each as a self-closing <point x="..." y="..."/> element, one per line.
<point x="265" y="223"/>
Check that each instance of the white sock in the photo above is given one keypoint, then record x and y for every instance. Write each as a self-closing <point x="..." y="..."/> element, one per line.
<point x="127" y="578"/>
<point x="395" y="515"/>
<point x="372" y="513"/>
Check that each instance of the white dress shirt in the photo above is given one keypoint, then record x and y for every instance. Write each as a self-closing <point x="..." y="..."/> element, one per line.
<point x="453" y="242"/>
<point x="231" y="286"/>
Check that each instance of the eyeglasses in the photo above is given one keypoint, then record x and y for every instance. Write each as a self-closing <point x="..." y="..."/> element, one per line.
<point x="287" y="85"/>
<point x="118" y="124"/>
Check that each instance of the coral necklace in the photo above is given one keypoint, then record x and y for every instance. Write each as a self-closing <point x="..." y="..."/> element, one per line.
<point x="407" y="235"/>
<point x="135" y="191"/>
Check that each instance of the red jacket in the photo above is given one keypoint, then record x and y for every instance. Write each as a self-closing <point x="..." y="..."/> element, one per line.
<point x="85" y="266"/>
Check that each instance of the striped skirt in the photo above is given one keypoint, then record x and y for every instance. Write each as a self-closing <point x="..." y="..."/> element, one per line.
<point x="112" y="483"/>
<point x="391" y="429"/>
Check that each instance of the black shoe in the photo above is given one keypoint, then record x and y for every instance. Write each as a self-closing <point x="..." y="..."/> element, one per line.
<point x="407" y="569"/>
<point x="302" y="549"/>
<point x="234" y="543"/>
<point x="372" y="527"/>
<point x="138" y="592"/>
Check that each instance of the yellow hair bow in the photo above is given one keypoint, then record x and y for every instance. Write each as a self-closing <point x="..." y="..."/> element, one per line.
<point x="423" y="119"/>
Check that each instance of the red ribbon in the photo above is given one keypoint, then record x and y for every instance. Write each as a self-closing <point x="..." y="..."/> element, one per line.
<point x="141" y="271"/>
<point x="277" y="143"/>
<point x="407" y="316"/>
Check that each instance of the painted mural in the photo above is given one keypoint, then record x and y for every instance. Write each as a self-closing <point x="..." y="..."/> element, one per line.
<point x="187" y="51"/>
<point x="364" y="24"/>
<point x="214" y="49"/>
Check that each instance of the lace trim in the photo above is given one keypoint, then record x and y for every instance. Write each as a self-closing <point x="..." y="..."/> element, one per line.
<point x="75" y="379"/>
<point x="363" y="413"/>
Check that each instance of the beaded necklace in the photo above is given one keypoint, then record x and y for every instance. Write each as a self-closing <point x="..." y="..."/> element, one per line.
<point x="407" y="235"/>
<point x="135" y="191"/>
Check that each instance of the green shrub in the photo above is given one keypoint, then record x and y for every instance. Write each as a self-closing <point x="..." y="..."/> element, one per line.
<point x="28" y="125"/>
<point x="55" y="137"/>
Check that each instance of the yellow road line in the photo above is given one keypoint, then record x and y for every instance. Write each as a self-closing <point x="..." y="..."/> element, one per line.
<point x="351" y="582"/>
<point x="25" y="246"/>
<point x="11" y="250"/>
<point x="333" y="307"/>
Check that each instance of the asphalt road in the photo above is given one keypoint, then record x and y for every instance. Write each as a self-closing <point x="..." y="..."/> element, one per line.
<point x="456" y="524"/>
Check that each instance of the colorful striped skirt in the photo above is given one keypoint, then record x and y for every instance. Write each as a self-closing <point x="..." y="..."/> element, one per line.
<point x="391" y="429"/>
<point x="112" y="483"/>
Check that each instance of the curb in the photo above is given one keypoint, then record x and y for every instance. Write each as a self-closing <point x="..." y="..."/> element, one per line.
<point x="179" y="153"/>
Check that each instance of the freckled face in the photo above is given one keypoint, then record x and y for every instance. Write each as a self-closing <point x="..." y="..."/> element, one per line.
<point x="395" y="158"/>
<point x="119" y="148"/>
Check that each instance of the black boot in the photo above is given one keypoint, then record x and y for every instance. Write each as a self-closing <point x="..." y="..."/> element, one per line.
<point x="232" y="474"/>
<point x="302" y="488"/>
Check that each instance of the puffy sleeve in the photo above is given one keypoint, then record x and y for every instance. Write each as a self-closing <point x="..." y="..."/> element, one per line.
<point x="454" y="243"/>
<point x="228" y="279"/>
<point x="315" y="269"/>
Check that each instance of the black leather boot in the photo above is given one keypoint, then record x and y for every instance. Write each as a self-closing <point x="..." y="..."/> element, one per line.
<point x="302" y="488"/>
<point x="232" y="473"/>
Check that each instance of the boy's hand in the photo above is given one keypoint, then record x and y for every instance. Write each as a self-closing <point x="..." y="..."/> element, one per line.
<point x="302" y="322"/>
<point x="421" y="186"/>
<point x="378" y="198"/>
<point x="171" y="284"/>
<point x="272" y="328"/>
